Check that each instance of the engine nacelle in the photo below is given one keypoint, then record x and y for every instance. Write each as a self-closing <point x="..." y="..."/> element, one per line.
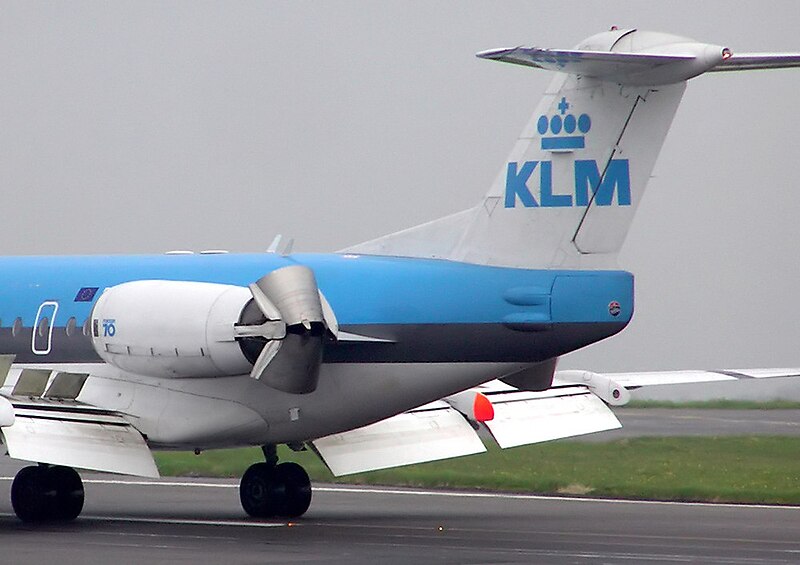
<point x="171" y="328"/>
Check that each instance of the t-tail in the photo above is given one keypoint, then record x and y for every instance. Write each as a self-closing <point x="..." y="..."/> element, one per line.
<point x="568" y="192"/>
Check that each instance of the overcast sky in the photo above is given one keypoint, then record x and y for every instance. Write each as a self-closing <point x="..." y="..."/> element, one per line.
<point x="143" y="127"/>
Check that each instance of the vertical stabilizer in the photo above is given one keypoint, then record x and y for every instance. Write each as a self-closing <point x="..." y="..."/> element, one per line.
<point x="568" y="192"/>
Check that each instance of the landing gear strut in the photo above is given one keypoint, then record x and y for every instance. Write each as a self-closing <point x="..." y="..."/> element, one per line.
<point x="44" y="492"/>
<point x="272" y="490"/>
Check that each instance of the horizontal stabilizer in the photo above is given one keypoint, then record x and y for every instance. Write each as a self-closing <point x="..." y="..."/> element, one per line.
<point x="522" y="417"/>
<point x="679" y="60"/>
<point x="756" y="61"/>
<point x="432" y="432"/>
<point x="640" y="58"/>
<point x="589" y="63"/>
<point x="76" y="435"/>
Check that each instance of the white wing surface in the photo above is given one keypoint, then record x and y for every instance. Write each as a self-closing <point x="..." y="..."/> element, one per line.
<point x="429" y="433"/>
<point x="522" y="417"/>
<point x="440" y="431"/>
<point x="650" y="378"/>
<point x="78" y="436"/>
<point x="41" y="421"/>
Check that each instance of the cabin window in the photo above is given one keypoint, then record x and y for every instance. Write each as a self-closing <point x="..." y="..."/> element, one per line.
<point x="17" y="327"/>
<point x="71" y="326"/>
<point x="87" y="326"/>
<point x="44" y="325"/>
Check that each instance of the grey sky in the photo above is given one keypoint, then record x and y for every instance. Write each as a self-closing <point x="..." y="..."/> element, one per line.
<point x="142" y="127"/>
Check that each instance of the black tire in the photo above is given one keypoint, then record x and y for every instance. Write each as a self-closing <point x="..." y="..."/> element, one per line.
<point x="69" y="494"/>
<point x="30" y="496"/>
<point x="256" y="491"/>
<point x="293" y="488"/>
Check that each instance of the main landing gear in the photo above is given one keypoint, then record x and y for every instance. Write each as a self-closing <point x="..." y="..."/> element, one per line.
<point x="272" y="490"/>
<point x="43" y="492"/>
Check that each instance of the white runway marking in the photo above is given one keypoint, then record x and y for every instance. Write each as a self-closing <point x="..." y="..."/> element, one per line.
<point x="190" y="522"/>
<point x="134" y="482"/>
<point x="181" y="522"/>
<point x="444" y="493"/>
<point x="512" y="496"/>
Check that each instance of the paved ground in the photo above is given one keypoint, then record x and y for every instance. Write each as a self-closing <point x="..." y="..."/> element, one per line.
<point x="784" y="388"/>
<point x="638" y="422"/>
<point x="200" y="521"/>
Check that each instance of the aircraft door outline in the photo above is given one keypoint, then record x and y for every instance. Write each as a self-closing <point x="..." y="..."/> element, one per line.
<point x="41" y="344"/>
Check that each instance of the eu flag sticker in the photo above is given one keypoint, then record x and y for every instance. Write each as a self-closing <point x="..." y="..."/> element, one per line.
<point x="86" y="294"/>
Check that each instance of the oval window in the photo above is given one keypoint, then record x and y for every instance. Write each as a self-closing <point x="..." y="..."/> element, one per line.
<point x="44" y="325"/>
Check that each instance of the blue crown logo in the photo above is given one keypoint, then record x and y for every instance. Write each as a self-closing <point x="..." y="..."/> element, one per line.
<point x="567" y="123"/>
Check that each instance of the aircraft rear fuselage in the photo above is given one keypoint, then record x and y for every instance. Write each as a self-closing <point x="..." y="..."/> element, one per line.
<point x="414" y="310"/>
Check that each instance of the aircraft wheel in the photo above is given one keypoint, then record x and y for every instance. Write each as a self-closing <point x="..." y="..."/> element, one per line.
<point x="69" y="494"/>
<point x="30" y="496"/>
<point x="256" y="491"/>
<point x="293" y="490"/>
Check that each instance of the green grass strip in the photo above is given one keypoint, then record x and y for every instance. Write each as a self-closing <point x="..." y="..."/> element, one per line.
<point x="718" y="404"/>
<point x="720" y="469"/>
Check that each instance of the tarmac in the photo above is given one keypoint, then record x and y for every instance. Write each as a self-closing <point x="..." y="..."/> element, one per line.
<point x="127" y="520"/>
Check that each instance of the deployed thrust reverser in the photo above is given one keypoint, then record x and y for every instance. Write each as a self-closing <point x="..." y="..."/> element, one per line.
<point x="275" y="330"/>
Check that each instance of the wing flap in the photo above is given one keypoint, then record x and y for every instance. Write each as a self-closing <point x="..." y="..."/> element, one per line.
<point x="439" y="431"/>
<point x="522" y="417"/>
<point x="76" y="435"/>
<point x="432" y="432"/>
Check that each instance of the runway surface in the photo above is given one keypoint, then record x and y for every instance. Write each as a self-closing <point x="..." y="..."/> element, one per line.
<point x="639" y="422"/>
<point x="200" y="521"/>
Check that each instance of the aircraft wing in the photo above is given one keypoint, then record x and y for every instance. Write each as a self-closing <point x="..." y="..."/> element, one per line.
<point x="429" y="433"/>
<point x="575" y="405"/>
<point x="636" y="380"/>
<point x="524" y="417"/>
<point x="452" y="427"/>
<point x="41" y="421"/>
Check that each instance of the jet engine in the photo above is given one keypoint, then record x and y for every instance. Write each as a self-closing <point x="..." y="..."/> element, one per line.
<point x="275" y="329"/>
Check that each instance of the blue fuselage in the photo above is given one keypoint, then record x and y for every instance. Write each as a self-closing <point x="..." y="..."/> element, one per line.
<point x="423" y="310"/>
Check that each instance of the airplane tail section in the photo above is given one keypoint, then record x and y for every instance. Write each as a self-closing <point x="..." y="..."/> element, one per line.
<point x="568" y="192"/>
